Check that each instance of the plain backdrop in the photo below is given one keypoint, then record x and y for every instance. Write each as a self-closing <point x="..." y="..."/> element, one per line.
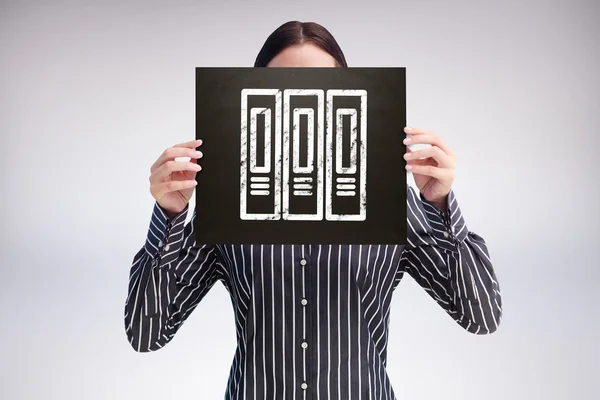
<point x="92" y="93"/>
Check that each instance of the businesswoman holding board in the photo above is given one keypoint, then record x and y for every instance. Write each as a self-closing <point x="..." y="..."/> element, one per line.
<point x="311" y="320"/>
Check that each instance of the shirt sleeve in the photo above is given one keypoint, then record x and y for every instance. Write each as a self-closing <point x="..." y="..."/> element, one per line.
<point x="169" y="277"/>
<point x="452" y="264"/>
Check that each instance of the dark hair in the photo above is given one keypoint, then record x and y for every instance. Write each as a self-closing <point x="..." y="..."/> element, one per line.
<point x="296" y="32"/>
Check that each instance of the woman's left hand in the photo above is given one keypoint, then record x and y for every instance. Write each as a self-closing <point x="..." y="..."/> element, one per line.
<point x="432" y="167"/>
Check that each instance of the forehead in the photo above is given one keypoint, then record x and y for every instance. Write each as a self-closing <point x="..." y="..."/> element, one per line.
<point x="303" y="55"/>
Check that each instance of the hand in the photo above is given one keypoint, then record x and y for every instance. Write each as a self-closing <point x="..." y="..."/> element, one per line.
<point x="432" y="167"/>
<point x="172" y="182"/>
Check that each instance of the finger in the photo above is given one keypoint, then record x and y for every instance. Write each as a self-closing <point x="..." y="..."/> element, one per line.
<point x="416" y="131"/>
<point x="428" y="138"/>
<point x="409" y="158"/>
<point x="191" y="145"/>
<point x="192" y="174"/>
<point x="174" y="152"/>
<point x="161" y="189"/>
<point x="443" y="160"/>
<point x="424" y="161"/>
<point x="416" y="147"/>
<point x="162" y="173"/>
<point x="441" y="174"/>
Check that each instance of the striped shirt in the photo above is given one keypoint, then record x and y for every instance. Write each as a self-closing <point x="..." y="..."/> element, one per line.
<point x="311" y="320"/>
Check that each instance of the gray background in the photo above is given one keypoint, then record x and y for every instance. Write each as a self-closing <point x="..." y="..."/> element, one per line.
<point x="90" y="95"/>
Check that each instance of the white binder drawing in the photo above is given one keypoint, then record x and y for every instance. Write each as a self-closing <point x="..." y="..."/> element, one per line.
<point x="281" y="173"/>
<point x="261" y="180"/>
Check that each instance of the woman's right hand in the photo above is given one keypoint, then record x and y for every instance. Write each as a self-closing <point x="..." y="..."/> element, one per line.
<point x="172" y="182"/>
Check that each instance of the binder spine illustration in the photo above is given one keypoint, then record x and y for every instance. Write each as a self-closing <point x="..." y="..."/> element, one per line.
<point x="260" y="185"/>
<point x="346" y="182"/>
<point x="303" y="178"/>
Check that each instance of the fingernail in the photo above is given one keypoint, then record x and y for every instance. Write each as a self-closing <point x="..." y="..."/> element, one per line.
<point x="197" y="167"/>
<point x="198" y="154"/>
<point x="409" y="167"/>
<point x="408" y="128"/>
<point x="407" y="155"/>
<point x="407" y="140"/>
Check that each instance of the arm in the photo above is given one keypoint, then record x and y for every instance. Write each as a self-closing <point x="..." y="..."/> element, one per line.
<point x="168" y="278"/>
<point x="452" y="264"/>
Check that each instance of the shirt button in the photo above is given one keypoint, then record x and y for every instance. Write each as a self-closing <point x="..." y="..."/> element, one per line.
<point x="304" y="345"/>
<point x="445" y="234"/>
<point x="304" y="385"/>
<point x="160" y="243"/>
<point x="167" y="247"/>
<point x="304" y="302"/>
<point x="303" y="262"/>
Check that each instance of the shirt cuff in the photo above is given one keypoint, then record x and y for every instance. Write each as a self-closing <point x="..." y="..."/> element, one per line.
<point x="163" y="231"/>
<point x="448" y="227"/>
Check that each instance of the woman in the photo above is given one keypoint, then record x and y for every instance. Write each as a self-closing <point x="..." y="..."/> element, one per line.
<point x="311" y="320"/>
